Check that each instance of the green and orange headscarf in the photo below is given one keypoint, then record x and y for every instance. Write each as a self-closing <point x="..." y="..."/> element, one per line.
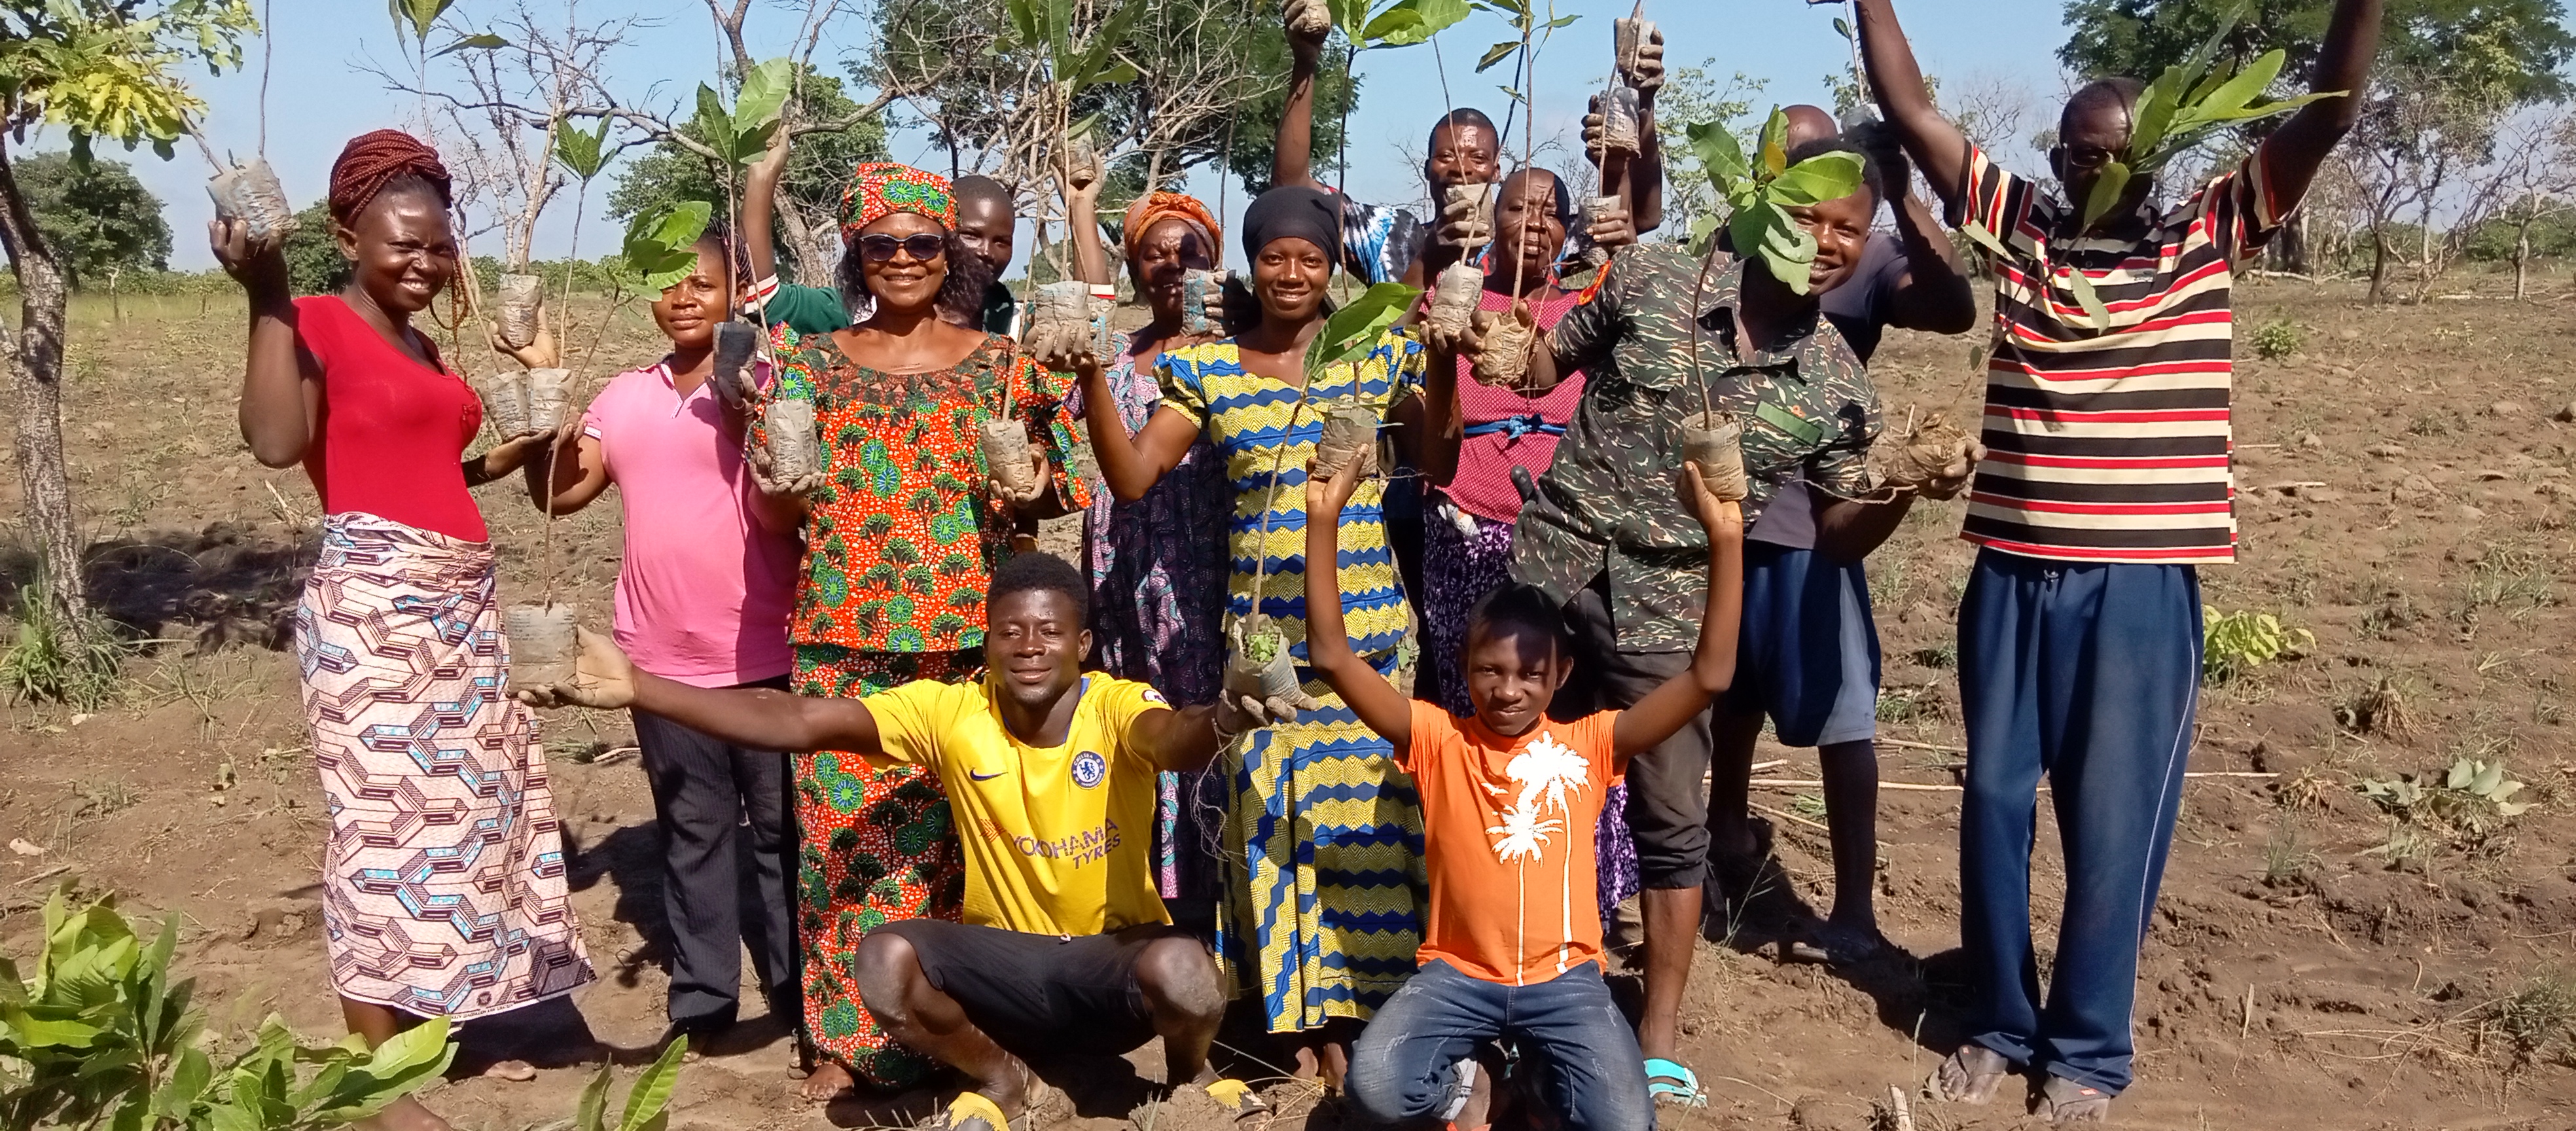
<point x="879" y="189"/>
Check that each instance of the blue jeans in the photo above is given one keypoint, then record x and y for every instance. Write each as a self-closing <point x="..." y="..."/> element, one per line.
<point x="2090" y="674"/>
<point x="1405" y="1066"/>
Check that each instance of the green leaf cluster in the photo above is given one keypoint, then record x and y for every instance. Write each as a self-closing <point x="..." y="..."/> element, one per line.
<point x="661" y="245"/>
<point x="2190" y="101"/>
<point x="1350" y="332"/>
<point x="740" y="134"/>
<point x="647" y="1100"/>
<point x="106" y="68"/>
<point x="1523" y="16"/>
<point x="99" y="220"/>
<point x="584" y="155"/>
<point x="1401" y="23"/>
<point x="1760" y="188"/>
<point x="2235" y="643"/>
<point x="1048" y="25"/>
<point x="99" y="1034"/>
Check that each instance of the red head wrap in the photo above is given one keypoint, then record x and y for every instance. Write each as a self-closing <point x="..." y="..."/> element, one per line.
<point x="1155" y="207"/>
<point x="374" y="160"/>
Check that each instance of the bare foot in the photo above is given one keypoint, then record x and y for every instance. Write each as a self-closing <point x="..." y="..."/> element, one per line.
<point x="1970" y="1075"/>
<point x="2065" y="1101"/>
<point x="829" y="1081"/>
<point x="406" y="1114"/>
<point x="1310" y="1064"/>
<point x="514" y="1071"/>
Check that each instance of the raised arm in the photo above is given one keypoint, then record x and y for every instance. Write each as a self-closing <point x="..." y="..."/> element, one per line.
<point x="1130" y="465"/>
<point x="1082" y="214"/>
<point x="280" y="398"/>
<point x="756" y="717"/>
<point x="1181" y="740"/>
<point x="1328" y="642"/>
<point x="2292" y="155"/>
<point x="1934" y="294"/>
<point x="1292" y="152"/>
<point x="760" y="207"/>
<point x="1897" y="82"/>
<point x="1671" y="706"/>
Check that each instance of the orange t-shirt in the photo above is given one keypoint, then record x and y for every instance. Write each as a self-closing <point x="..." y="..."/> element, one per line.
<point x="1507" y="834"/>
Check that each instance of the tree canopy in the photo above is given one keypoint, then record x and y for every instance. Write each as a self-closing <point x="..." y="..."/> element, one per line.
<point x="98" y="218"/>
<point x="818" y="166"/>
<point x="2514" y="49"/>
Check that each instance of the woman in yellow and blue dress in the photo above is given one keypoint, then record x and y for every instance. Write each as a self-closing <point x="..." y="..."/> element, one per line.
<point x="1324" y="843"/>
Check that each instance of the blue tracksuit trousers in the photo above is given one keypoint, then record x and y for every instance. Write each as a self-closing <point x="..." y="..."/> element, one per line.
<point x="2089" y="674"/>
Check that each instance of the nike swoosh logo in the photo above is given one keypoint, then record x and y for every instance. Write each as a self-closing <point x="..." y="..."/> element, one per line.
<point x="986" y="777"/>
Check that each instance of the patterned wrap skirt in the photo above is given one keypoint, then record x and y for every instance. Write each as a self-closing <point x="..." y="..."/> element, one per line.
<point x="1464" y="557"/>
<point x="876" y="845"/>
<point x="443" y="886"/>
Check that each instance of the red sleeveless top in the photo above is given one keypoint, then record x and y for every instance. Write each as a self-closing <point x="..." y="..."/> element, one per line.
<point x="392" y="436"/>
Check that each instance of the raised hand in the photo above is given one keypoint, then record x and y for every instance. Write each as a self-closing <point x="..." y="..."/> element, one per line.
<point x="1721" y="518"/>
<point x="1612" y="228"/>
<point x="257" y="266"/>
<point x="1308" y="22"/>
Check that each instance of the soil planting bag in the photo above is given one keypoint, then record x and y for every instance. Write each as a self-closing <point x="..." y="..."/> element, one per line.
<point x="1007" y="456"/>
<point x="1931" y="449"/>
<point x="1628" y="39"/>
<point x="1712" y="440"/>
<point x="1504" y="361"/>
<point x="250" y="193"/>
<point x="735" y="343"/>
<point x="1350" y="438"/>
<point x="542" y="649"/>
<point x="549" y="394"/>
<point x="1264" y="656"/>
<point x="1062" y="317"/>
<point x="1453" y="298"/>
<point x="1619" y="121"/>
<point x="520" y="295"/>
<point x="505" y="403"/>
<point x="1203" y="301"/>
<point x="792" y="451"/>
<point x="1474" y="203"/>
<point x="1310" y="19"/>
<point x="1594" y="208"/>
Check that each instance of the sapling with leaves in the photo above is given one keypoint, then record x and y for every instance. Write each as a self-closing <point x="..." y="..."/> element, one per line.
<point x="1760" y="189"/>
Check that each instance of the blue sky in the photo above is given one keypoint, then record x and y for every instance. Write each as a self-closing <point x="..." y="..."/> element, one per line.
<point x="321" y="94"/>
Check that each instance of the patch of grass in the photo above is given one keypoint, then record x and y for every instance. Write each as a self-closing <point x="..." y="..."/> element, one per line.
<point x="2380" y="709"/>
<point x="2514" y="579"/>
<point x="2233" y="644"/>
<point x="2276" y="339"/>
<point x="1887" y="583"/>
<point x="1944" y="655"/>
<point x="1808" y="805"/>
<point x="53" y="658"/>
<point x="2392" y="614"/>
<point x="100" y="797"/>
<point x="1907" y="704"/>
<point x="2538" y="1021"/>
<point x="2303" y="791"/>
<point x="2286" y="860"/>
<point x="2439" y="422"/>
<point x="2469" y="809"/>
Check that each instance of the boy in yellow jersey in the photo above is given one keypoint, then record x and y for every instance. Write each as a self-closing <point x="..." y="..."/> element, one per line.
<point x="1051" y="774"/>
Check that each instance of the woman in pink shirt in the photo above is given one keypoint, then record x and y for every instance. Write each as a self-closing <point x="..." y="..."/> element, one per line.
<point x="703" y="595"/>
<point x="399" y="630"/>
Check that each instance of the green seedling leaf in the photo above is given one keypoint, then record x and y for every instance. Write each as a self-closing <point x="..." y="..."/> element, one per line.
<point x="1116" y="74"/>
<point x="2154" y="111"/>
<point x="764" y="94"/>
<point x="652" y="1090"/>
<point x="1560" y="21"/>
<point x="1355" y="329"/>
<point x="1720" y="155"/>
<point x="1823" y="177"/>
<point x="660" y="245"/>
<point x="585" y="155"/>
<point x="484" y="42"/>
<point x="714" y="125"/>
<point x="591" y="1113"/>
<point x="2097" y="316"/>
<point x="2245" y="87"/>
<point x="1496" y="54"/>
<point x="1105" y="41"/>
<point x="2107" y="187"/>
<point x="1701" y="229"/>
<point x="418" y="14"/>
<point x="1024" y="21"/>
<point x="1775" y="144"/>
<point x="1843" y="28"/>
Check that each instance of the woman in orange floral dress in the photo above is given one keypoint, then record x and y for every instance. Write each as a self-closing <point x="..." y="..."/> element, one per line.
<point x="900" y="539"/>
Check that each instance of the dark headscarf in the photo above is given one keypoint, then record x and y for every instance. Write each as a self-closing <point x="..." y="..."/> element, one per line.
<point x="1292" y="212"/>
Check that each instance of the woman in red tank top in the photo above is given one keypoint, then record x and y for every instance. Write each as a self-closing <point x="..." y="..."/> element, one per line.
<point x="443" y="880"/>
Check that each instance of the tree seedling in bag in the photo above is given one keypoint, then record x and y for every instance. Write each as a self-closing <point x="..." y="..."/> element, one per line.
<point x="1762" y="188"/>
<point x="549" y="398"/>
<point x="1509" y="336"/>
<point x="1713" y="441"/>
<point x="520" y="296"/>
<point x="1061" y="321"/>
<point x="1009" y="456"/>
<point x="542" y="649"/>
<point x="1467" y="214"/>
<point x="736" y="341"/>
<point x="1453" y="299"/>
<point x="505" y="403"/>
<point x="1931" y="449"/>
<point x="1350" y="439"/>
<point x="1261" y="654"/>
<point x="1620" y="120"/>
<point x="793" y="452"/>
<point x="250" y="193"/>
<point x="1628" y="38"/>
<point x="1203" y="301"/>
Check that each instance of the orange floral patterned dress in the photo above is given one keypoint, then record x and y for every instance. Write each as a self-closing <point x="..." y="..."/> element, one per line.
<point x="900" y="544"/>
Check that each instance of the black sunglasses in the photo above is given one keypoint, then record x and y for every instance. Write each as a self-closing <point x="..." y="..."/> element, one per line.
<point x="921" y="246"/>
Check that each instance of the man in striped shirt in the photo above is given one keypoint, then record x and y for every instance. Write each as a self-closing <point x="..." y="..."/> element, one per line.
<point x="2106" y="488"/>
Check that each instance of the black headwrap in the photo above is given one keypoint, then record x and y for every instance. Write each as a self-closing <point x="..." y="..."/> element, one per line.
<point x="1292" y="212"/>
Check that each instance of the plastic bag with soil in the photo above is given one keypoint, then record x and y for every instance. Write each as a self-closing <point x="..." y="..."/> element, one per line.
<point x="1628" y="39"/>
<point x="1009" y="457"/>
<point x="1261" y="656"/>
<point x="735" y="344"/>
<point x="1714" y="441"/>
<point x="1309" y="17"/>
<point x="1619" y="120"/>
<point x="1469" y="208"/>
<point x="520" y="296"/>
<point x="1063" y="318"/>
<point x="1453" y="299"/>
<point x="505" y="403"/>
<point x="1509" y="335"/>
<point x="1595" y="209"/>
<point x="793" y="453"/>
<point x="250" y="193"/>
<point x="1203" y="301"/>
<point x="1350" y="439"/>
<point x="1931" y="450"/>
<point x="543" y="652"/>
<point x="549" y="398"/>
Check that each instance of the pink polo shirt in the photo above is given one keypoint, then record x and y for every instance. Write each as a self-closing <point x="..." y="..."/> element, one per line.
<point x="704" y="593"/>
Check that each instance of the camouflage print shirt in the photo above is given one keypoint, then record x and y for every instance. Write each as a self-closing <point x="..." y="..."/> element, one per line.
<point x="1611" y="503"/>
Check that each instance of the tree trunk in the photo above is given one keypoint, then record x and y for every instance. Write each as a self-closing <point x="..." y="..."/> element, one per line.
<point x="35" y="356"/>
<point x="2378" y="264"/>
<point x="816" y="246"/>
<point x="2522" y="260"/>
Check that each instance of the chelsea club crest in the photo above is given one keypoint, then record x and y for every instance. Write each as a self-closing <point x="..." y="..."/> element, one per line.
<point x="1089" y="768"/>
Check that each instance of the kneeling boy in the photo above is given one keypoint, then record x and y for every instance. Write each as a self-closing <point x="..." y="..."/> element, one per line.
<point x="1051" y="774"/>
<point x="1509" y="799"/>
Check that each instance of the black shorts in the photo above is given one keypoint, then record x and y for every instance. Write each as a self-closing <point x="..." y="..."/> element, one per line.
<point x="1036" y="994"/>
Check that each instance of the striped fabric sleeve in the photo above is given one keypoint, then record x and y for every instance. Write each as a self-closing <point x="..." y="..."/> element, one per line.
<point x="1179" y="378"/>
<point x="2244" y="209"/>
<point x="2007" y="206"/>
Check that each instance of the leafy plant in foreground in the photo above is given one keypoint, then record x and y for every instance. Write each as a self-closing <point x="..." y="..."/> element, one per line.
<point x="2467" y="808"/>
<point x="646" y="1100"/>
<point x="99" y="1035"/>
<point x="1761" y="190"/>
<point x="2235" y="643"/>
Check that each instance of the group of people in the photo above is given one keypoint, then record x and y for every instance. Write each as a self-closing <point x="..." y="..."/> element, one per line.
<point x="995" y="804"/>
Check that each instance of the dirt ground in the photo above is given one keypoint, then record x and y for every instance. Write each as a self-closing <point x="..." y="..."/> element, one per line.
<point x="2315" y="962"/>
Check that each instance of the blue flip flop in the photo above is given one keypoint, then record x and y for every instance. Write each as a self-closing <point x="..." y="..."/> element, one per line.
<point x="1661" y="1075"/>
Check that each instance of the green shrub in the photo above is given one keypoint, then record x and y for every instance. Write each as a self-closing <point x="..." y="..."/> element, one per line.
<point x="2276" y="340"/>
<point x="55" y="659"/>
<point x="2235" y="643"/>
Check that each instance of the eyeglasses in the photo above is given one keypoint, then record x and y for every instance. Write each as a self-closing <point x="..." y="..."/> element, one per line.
<point x="2085" y="157"/>
<point x="921" y="246"/>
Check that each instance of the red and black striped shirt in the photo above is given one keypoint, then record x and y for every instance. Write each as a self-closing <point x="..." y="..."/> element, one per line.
<point x="2111" y="444"/>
